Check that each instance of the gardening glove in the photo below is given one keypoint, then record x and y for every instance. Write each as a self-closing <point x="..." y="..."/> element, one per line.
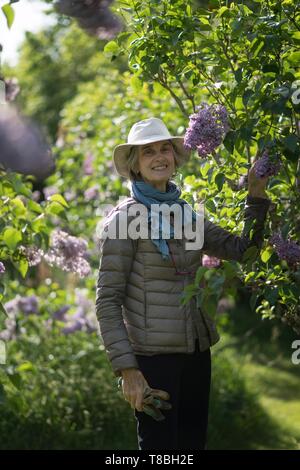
<point x="154" y="400"/>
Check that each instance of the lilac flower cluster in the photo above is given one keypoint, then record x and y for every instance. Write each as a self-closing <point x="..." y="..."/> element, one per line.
<point x="67" y="252"/>
<point x="267" y="166"/>
<point x="60" y="314"/>
<point x="49" y="191"/>
<point x="287" y="250"/>
<point x="26" y="305"/>
<point x="91" y="193"/>
<point x="210" y="261"/>
<point x="207" y="129"/>
<point x="88" y="163"/>
<point x="2" y="268"/>
<point x="70" y="195"/>
<point x="10" y="330"/>
<point x="93" y="16"/>
<point x="23" y="147"/>
<point x="33" y="254"/>
<point x="83" y="319"/>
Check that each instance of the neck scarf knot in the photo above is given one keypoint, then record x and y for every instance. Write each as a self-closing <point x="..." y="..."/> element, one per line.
<point x="148" y="195"/>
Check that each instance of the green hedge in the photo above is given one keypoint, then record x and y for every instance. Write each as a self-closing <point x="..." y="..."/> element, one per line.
<point x="60" y="393"/>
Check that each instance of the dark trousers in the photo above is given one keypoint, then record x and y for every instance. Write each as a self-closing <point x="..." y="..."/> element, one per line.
<point x="186" y="377"/>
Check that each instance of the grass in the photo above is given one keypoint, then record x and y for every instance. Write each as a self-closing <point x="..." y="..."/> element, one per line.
<point x="275" y="380"/>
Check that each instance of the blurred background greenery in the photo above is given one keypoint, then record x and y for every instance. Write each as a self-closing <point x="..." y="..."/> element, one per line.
<point x="57" y="390"/>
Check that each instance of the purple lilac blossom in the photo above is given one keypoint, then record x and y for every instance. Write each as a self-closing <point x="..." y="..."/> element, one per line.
<point x="91" y="193"/>
<point x="49" y="191"/>
<point x="88" y="163"/>
<point x="86" y="311"/>
<point x="36" y="196"/>
<point x="28" y="305"/>
<point x="70" y="195"/>
<point x="287" y="250"/>
<point x="2" y="268"/>
<point x="60" y="314"/>
<point x="93" y="16"/>
<point x="210" y="261"/>
<point x="33" y="254"/>
<point x="72" y="327"/>
<point x="10" y="331"/>
<point x="207" y="129"/>
<point x="23" y="146"/>
<point x="67" y="253"/>
<point x="267" y="166"/>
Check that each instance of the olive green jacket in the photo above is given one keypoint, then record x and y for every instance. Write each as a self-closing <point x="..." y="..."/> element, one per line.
<point x="138" y="293"/>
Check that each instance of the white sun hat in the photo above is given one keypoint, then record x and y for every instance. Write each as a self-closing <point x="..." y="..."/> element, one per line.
<point x="145" y="132"/>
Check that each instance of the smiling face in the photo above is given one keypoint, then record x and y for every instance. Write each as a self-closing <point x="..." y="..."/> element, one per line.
<point x="156" y="163"/>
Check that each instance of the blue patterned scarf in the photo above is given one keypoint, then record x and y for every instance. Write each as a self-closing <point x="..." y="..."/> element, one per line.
<point x="147" y="195"/>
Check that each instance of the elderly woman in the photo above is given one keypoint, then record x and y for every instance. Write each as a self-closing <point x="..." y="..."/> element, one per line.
<point x="152" y="340"/>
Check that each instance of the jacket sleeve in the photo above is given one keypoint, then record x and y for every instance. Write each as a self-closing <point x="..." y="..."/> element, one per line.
<point x="116" y="257"/>
<point x="225" y="245"/>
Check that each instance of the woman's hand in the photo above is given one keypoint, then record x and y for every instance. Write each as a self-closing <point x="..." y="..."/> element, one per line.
<point x="134" y="385"/>
<point x="256" y="186"/>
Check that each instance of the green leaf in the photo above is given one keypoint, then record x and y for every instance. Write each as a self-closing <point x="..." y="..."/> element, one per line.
<point x="22" y="266"/>
<point x="253" y="300"/>
<point x="200" y="272"/>
<point x="293" y="58"/>
<point x="54" y="208"/>
<point x="229" y="269"/>
<point x="216" y="283"/>
<point x="250" y="254"/>
<point x="210" y="305"/>
<point x="210" y="205"/>
<point x="9" y="14"/>
<point x="60" y="199"/>
<point x="2" y="310"/>
<point x="229" y="141"/>
<point x="247" y="95"/>
<point x="15" y="379"/>
<point x="19" y="186"/>
<point x="256" y="46"/>
<point x="34" y="206"/>
<point x="219" y="180"/>
<point x="270" y="68"/>
<point x="271" y="294"/>
<point x="25" y="366"/>
<point x="111" y="47"/>
<point x="238" y="75"/>
<point x="223" y="11"/>
<point x="20" y="209"/>
<point x="291" y="142"/>
<point x="266" y="254"/>
<point x="12" y="237"/>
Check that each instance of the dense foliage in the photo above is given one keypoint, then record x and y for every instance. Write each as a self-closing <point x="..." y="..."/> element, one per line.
<point x="189" y="63"/>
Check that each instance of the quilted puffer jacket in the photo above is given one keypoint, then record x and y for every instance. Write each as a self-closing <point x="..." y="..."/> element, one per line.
<point x="138" y="293"/>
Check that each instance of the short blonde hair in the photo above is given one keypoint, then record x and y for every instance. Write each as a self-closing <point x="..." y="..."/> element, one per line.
<point x="133" y="158"/>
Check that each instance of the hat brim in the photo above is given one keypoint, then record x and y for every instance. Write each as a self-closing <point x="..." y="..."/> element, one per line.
<point x="121" y="152"/>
